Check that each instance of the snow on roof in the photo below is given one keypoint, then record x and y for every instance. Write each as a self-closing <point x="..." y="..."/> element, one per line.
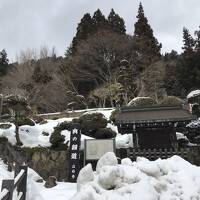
<point x="194" y="93"/>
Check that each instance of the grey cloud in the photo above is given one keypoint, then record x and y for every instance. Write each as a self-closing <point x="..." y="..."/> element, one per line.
<point x="32" y="23"/>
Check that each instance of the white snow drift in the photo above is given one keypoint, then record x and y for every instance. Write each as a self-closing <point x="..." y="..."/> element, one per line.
<point x="170" y="179"/>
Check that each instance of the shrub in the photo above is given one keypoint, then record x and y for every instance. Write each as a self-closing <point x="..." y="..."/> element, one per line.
<point x="63" y="126"/>
<point x="44" y="121"/>
<point x="142" y="102"/>
<point x="26" y="121"/>
<point x="114" y="115"/>
<point x="38" y="119"/>
<point x="3" y="139"/>
<point x="104" y="133"/>
<point x="45" y="133"/>
<point x="90" y="123"/>
<point x="171" y="100"/>
<point x="56" y="139"/>
<point x="5" y="126"/>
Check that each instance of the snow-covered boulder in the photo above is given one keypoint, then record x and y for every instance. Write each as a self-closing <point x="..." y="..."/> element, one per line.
<point x="108" y="159"/>
<point x="85" y="175"/>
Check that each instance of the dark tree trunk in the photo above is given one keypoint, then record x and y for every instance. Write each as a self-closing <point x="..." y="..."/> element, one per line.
<point x="19" y="143"/>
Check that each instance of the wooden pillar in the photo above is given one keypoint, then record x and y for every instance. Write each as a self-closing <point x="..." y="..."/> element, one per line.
<point x="135" y="144"/>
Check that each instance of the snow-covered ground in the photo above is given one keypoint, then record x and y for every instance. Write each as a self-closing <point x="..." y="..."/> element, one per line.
<point x="31" y="136"/>
<point x="168" y="179"/>
<point x="37" y="191"/>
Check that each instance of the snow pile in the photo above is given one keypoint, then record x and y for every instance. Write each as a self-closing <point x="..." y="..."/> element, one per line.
<point x="170" y="179"/>
<point x="194" y="124"/>
<point x="193" y="93"/>
<point x="181" y="136"/>
<point x="32" y="136"/>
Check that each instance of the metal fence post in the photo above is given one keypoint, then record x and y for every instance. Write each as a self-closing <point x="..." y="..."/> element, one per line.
<point x="21" y="188"/>
<point x="9" y="185"/>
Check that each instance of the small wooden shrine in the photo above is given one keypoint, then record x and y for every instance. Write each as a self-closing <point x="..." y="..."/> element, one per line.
<point x="153" y="127"/>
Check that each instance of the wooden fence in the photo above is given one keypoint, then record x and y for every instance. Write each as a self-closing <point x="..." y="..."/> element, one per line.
<point x="19" y="183"/>
<point x="153" y="154"/>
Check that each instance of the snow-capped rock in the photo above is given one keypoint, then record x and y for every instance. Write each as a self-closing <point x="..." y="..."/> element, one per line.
<point x="193" y="93"/>
<point x="108" y="159"/>
<point x="85" y="175"/>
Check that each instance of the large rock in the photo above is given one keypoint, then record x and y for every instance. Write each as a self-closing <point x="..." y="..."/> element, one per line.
<point x="85" y="175"/>
<point x="108" y="159"/>
<point x="51" y="182"/>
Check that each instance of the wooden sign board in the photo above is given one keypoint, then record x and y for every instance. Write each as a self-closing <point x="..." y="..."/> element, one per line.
<point x="74" y="152"/>
<point x="96" y="148"/>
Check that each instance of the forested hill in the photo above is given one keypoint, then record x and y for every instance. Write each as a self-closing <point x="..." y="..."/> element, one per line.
<point x="104" y="66"/>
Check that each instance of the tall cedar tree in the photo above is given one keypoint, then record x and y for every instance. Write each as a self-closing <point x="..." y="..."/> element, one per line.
<point x="84" y="29"/>
<point x="116" y="23"/>
<point x="99" y="21"/>
<point x="188" y="42"/>
<point x="3" y="63"/>
<point x="188" y="67"/>
<point x="148" y="47"/>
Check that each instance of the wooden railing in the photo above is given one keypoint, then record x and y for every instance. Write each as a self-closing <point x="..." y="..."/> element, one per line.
<point x="153" y="154"/>
<point x="19" y="183"/>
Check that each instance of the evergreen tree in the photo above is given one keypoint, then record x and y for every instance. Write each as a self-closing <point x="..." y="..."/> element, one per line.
<point x="188" y="67"/>
<point x="99" y="21"/>
<point x="116" y="22"/>
<point x="197" y="41"/>
<point x="148" y="47"/>
<point x="84" y="29"/>
<point x="3" y="62"/>
<point x="127" y="79"/>
<point x="188" y="42"/>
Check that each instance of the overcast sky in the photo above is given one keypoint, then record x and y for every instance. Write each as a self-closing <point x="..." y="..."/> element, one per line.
<point x="34" y="23"/>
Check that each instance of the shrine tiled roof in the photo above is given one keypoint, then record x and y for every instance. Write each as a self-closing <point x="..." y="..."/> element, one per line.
<point x="154" y="114"/>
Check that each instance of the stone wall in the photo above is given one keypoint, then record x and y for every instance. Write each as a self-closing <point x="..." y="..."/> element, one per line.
<point x="47" y="162"/>
<point x="44" y="161"/>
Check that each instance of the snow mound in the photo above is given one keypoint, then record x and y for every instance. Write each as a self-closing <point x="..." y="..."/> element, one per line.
<point x="110" y="177"/>
<point x="194" y="124"/>
<point x="193" y="93"/>
<point x="167" y="179"/>
<point x="181" y="136"/>
<point x="85" y="175"/>
<point x="108" y="159"/>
